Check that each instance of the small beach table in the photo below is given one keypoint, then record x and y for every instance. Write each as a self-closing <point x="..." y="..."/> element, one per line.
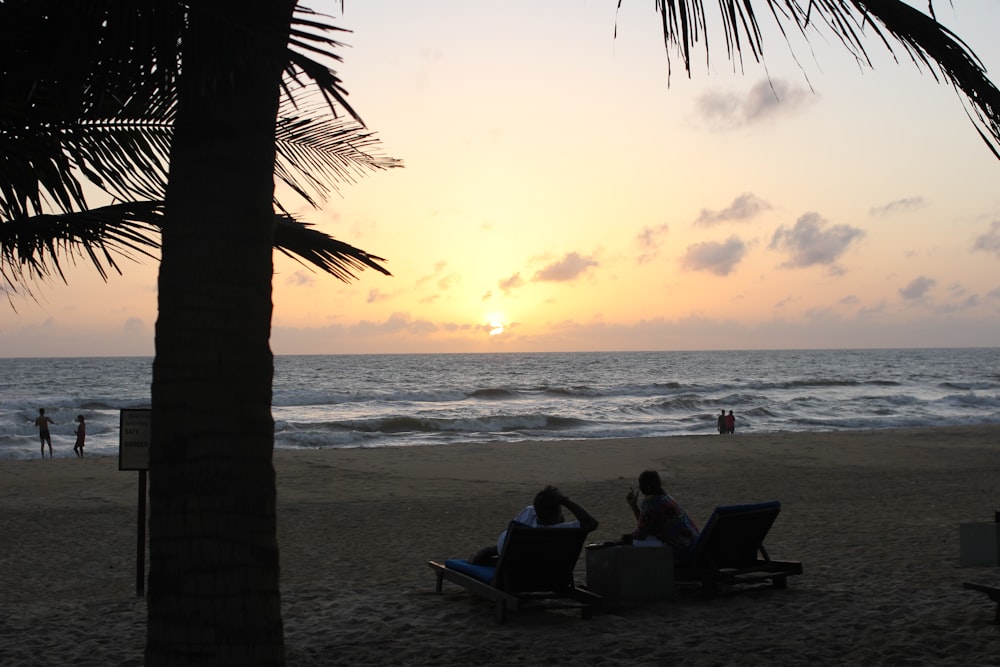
<point x="626" y="575"/>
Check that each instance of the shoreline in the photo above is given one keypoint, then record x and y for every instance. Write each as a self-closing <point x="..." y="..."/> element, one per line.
<point x="872" y="515"/>
<point x="65" y="451"/>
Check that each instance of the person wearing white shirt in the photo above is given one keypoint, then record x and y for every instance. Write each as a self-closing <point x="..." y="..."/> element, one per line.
<point x="546" y="511"/>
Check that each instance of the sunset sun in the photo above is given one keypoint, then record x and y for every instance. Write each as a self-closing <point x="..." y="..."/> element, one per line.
<point x="496" y="324"/>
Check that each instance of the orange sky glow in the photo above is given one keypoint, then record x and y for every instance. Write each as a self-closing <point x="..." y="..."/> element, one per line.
<point x="559" y="195"/>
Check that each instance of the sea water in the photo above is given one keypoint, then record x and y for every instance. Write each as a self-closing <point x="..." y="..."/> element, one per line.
<point x="384" y="400"/>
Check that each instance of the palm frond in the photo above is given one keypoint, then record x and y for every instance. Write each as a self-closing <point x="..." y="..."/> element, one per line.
<point x="88" y="90"/>
<point x="894" y="23"/>
<point x="317" y="152"/>
<point x="33" y="248"/>
<point x="306" y="244"/>
<point x="932" y="45"/>
<point x="310" y="35"/>
<point x="95" y="101"/>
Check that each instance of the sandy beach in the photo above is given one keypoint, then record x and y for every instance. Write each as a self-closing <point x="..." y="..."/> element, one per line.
<point x="872" y="515"/>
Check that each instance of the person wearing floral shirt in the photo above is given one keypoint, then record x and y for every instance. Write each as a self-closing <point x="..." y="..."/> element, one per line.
<point x="660" y="520"/>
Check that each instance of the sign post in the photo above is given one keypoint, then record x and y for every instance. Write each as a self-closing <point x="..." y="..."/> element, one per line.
<point x="133" y="454"/>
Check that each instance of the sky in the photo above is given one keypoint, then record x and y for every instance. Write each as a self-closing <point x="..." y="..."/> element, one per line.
<point x="567" y="189"/>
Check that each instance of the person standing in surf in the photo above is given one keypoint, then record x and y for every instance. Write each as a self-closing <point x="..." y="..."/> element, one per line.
<point x="42" y="422"/>
<point x="81" y="435"/>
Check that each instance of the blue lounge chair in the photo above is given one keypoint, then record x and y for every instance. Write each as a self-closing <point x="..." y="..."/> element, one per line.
<point x="536" y="565"/>
<point x="730" y="551"/>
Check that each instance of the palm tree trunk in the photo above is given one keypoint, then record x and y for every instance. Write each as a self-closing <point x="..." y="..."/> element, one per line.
<point x="213" y="582"/>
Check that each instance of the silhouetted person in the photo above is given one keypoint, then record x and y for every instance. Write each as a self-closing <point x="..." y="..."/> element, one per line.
<point x="722" y="422"/>
<point x="81" y="435"/>
<point x="730" y="423"/>
<point x="544" y="512"/>
<point x="42" y="422"/>
<point x="660" y="520"/>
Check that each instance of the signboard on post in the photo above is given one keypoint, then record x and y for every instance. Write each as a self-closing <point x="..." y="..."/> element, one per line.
<point x="133" y="454"/>
<point x="133" y="439"/>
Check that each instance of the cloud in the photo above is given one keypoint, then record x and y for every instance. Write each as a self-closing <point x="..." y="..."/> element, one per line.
<point x="744" y="207"/>
<point x="917" y="288"/>
<point x="510" y="283"/>
<point x="810" y="242"/>
<point x="438" y="268"/>
<point x="897" y="206"/>
<point x="487" y="295"/>
<point x="446" y="282"/>
<point x="879" y="308"/>
<point x="134" y="326"/>
<point x="990" y="241"/>
<point x="764" y="100"/>
<point x="396" y="323"/>
<point x="300" y="279"/>
<point x="970" y="301"/>
<point x="714" y="257"/>
<point x="375" y="296"/>
<point x="570" y="267"/>
<point x="649" y="240"/>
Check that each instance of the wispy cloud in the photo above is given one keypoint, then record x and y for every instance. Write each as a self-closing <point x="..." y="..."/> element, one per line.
<point x="649" y="241"/>
<point x="445" y="283"/>
<point x="744" y="207"/>
<point x="917" y="288"/>
<point x="990" y="241"/>
<point x="300" y="279"/>
<point x="766" y="99"/>
<point x="510" y="283"/>
<point x="714" y="257"/>
<point x="811" y="241"/>
<point x="570" y="267"/>
<point x="438" y="269"/>
<point x="376" y="296"/>
<point x="399" y="322"/>
<point x="897" y="206"/>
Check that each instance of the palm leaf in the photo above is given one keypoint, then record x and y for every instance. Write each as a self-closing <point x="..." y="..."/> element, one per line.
<point x="317" y="151"/>
<point x="893" y="23"/>
<point x="32" y="248"/>
<point x="82" y="102"/>
<point x="301" y="241"/>
<point x="96" y="101"/>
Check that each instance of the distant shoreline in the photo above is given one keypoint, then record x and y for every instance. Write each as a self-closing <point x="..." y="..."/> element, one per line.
<point x="503" y="352"/>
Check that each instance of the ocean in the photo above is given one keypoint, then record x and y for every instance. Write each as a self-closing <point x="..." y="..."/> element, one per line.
<point x="403" y="400"/>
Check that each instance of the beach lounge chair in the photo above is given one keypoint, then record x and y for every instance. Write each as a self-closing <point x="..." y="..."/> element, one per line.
<point x="991" y="591"/>
<point x="730" y="551"/>
<point x="535" y="567"/>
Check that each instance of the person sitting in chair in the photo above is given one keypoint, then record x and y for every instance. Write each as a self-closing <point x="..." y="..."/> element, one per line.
<point x="660" y="519"/>
<point x="544" y="512"/>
